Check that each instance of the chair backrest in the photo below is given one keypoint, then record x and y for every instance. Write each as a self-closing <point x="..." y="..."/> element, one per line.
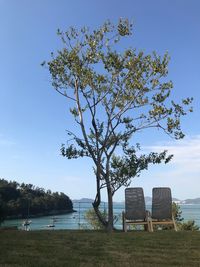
<point x="134" y="204"/>
<point x="161" y="203"/>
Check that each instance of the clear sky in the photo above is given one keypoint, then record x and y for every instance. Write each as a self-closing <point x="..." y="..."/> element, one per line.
<point x="33" y="117"/>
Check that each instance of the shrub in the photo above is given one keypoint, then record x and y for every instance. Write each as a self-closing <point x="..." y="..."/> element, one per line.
<point x="93" y="221"/>
<point x="189" y="226"/>
<point x="185" y="226"/>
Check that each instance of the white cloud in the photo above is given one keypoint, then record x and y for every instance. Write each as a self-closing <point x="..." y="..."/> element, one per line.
<point x="182" y="174"/>
<point x="186" y="153"/>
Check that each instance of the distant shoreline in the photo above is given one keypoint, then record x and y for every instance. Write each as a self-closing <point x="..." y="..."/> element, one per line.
<point x="148" y="200"/>
<point x="51" y="213"/>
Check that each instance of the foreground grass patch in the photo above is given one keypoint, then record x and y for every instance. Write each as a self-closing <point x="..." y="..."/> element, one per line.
<point x="90" y="248"/>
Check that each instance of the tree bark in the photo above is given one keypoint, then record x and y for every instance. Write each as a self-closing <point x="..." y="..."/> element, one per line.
<point x="97" y="202"/>
<point x="96" y="205"/>
<point x="110" y="210"/>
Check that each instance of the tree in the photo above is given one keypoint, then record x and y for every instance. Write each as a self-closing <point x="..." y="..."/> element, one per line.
<point x="113" y="95"/>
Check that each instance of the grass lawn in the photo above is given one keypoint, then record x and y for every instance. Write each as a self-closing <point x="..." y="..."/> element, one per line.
<point x="90" y="248"/>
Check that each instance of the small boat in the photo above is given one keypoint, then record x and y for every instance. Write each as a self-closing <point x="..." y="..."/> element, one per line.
<point x="26" y="225"/>
<point x="50" y="225"/>
<point x="26" y="222"/>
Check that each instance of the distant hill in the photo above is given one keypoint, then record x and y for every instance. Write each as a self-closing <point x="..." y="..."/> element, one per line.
<point x="83" y="200"/>
<point x="148" y="200"/>
<point x="175" y="199"/>
<point x="192" y="201"/>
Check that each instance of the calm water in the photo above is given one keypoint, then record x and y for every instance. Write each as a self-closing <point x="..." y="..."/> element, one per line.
<point x="76" y="220"/>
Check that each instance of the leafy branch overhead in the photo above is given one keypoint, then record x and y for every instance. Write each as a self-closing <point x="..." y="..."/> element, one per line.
<point x="114" y="93"/>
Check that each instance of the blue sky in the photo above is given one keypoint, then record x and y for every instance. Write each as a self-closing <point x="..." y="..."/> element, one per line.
<point x="33" y="117"/>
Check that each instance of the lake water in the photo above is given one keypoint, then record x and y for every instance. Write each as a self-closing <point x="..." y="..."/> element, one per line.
<point x="76" y="220"/>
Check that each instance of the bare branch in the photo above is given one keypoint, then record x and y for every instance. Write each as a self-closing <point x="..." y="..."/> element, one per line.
<point x="65" y="95"/>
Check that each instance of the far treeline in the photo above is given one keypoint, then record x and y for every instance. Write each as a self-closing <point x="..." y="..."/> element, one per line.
<point x="23" y="200"/>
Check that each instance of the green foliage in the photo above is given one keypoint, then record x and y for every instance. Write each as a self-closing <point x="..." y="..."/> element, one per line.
<point x="104" y="84"/>
<point x="189" y="226"/>
<point x="21" y="200"/>
<point x="177" y="213"/>
<point x="181" y="224"/>
<point x="91" y="218"/>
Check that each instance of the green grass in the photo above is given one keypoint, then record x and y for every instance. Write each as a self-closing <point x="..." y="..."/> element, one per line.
<point x="90" y="248"/>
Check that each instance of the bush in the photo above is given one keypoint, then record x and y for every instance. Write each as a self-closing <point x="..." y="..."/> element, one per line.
<point x="92" y="219"/>
<point x="176" y="211"/>
<point x="185" y="226"/>
<point x="189" y="226"/>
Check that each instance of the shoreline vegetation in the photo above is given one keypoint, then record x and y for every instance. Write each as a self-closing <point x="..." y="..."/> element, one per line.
<point x="19" y="201"/>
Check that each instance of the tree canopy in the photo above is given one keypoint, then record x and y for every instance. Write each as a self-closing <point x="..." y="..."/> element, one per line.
<point x="113" y="94"/>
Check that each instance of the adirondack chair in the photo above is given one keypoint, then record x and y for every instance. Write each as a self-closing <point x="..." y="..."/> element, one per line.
<point x="135" y="210"/>
<point x="162" y="208"/>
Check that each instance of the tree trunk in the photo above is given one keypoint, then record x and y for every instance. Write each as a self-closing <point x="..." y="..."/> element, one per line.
<point x="108" y="224"/>
<point x="110" y="210"/>
<point x="97" y="202"/>
<point x="96" y="205"/>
